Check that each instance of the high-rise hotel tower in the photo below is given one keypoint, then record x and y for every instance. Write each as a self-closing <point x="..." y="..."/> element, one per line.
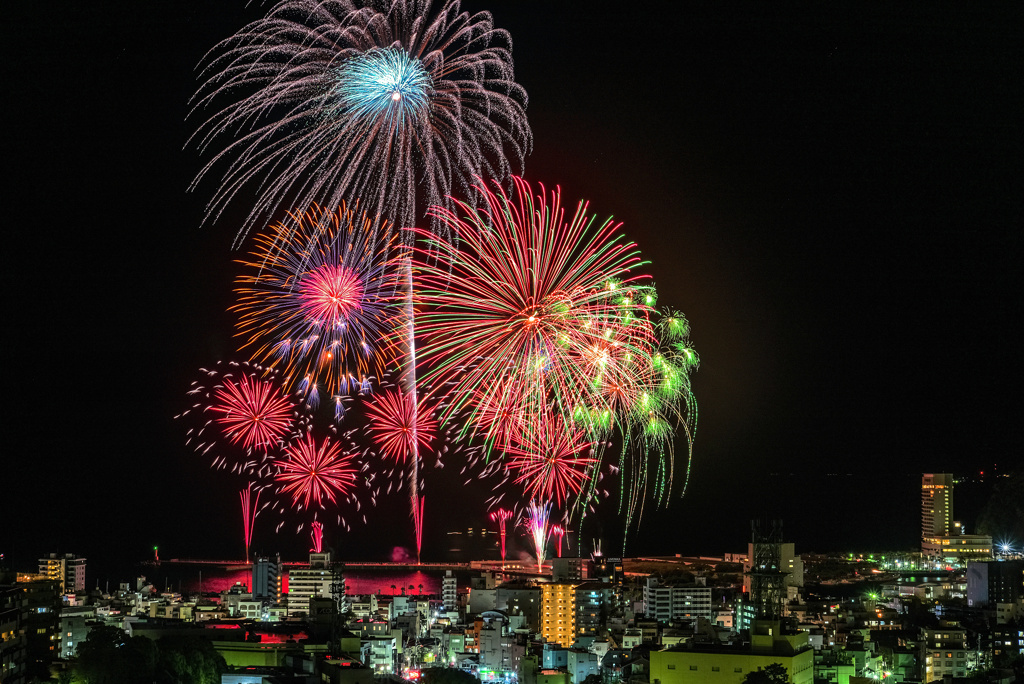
<point x="936" y="511"/>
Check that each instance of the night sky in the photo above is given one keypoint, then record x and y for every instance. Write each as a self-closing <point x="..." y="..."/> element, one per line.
<point x="832" y="196"/>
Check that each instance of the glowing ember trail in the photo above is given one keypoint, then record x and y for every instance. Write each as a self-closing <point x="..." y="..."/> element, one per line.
<point x="249" y="513"/>
<point x="417" y="520"/>
<point x="557" y="531"/>
<point x="501" y="516"/>
<point x="317" y="530"/>
<point x="537" y="525"/>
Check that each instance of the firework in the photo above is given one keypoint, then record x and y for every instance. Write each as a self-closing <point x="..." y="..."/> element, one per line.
<point x="313" y="474"/>
<point x="523" y="308"/>
<point x="536" y="523"/>
<point x="400" y="426"/>
<point x="250" y="509"/>
<point x="252" y="412"/>
<point x="501" y="516"/>
<point x="241" y="416"/>
<point x="557" y="531"/>
<point x="316" y="530"/>
<point x="547" y="458"/>
<point x="527" y="310"/>
<point x="318" y="296"/>
<point x="665" y="407"/>
<point x="342" y="100"/>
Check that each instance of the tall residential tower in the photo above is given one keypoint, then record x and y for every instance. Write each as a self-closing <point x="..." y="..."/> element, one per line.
<point x="936" y="511"/>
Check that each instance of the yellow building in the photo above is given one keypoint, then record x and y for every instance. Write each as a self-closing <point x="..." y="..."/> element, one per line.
<point x="558" y="613"/>
<point x="724" y="664"/>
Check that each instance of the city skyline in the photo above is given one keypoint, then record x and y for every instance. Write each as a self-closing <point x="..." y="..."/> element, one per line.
<point x="832" y="201"/>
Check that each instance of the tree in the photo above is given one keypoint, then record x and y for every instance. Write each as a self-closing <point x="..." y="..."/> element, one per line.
<point x="447" y="675"/>
<point x="773" y="674"/>
<point x="109" y="656"/>
<point x="191" y="660"/>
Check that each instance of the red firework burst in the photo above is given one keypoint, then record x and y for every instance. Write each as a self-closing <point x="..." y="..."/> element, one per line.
<point x="548" y="459"/>
<point x="330" y="292"/>
<point x="398" y="425"/>
<point x="252" y="412"/>
<point x="315" y="474"/>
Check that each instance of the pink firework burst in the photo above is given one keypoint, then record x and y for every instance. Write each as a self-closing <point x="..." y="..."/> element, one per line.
<point x="330" y="292"/>
<point x="399" y="426"/>
<point x="252" y="412"/>
<point x="314" y="474"/>
<point x="549" y="458"/>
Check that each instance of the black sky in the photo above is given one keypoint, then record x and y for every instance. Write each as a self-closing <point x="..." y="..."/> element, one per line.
<point x="831" y="195"/>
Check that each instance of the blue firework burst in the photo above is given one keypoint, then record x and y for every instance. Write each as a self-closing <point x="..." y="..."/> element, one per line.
<point x="382" y="85"/>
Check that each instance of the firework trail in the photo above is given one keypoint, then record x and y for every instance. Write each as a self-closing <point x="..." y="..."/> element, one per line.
<point x="537" y="527"/>
<point x="250" y="509"/>
<point x="417" y="520"/>
<point x="501" y="516"/>
<point x="318" y="295"/>
<point x="557" y="531"/>
<point x="317" y="532"/>
<point x="241" y="416"/>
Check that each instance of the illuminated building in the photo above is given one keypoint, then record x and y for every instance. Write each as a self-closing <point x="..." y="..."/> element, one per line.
<point x="66" y="569"/>
<point x="571" y="569"/>
<point x="944" y="652"/>
<point x="267" y="579"/>
<point x="998" y="584"/>
<point x="592" y="600"/>
<point x="520" y="599"/>
<point x="449" y="592"/>
<point x="74" y="628"/>
<point x="706" y="663"/>
<point x="936" y="508"/>
<point x="41" y="623"/>
<point x="316" y="580"/>
<point x="581" y="664"/>
<point x="1008" y="640"/>
<point x="558" y="613"/>
<point x="12" y="634"/>
<point x="666" y="603"/>
<point x="495" y="643"/>
<point x="942" y="539"/>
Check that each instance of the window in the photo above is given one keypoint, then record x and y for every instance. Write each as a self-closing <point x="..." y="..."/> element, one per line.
<point x="737" y="669"/>
<point x="693" y="667"/>
<point x="671" y="667"/>
<point x="714" y="668"/>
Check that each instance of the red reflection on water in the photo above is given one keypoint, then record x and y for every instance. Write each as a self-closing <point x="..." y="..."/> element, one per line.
<point x="357" y="581"/>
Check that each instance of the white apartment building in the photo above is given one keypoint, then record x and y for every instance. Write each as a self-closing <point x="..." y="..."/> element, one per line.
<point x="665" y="603"/>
